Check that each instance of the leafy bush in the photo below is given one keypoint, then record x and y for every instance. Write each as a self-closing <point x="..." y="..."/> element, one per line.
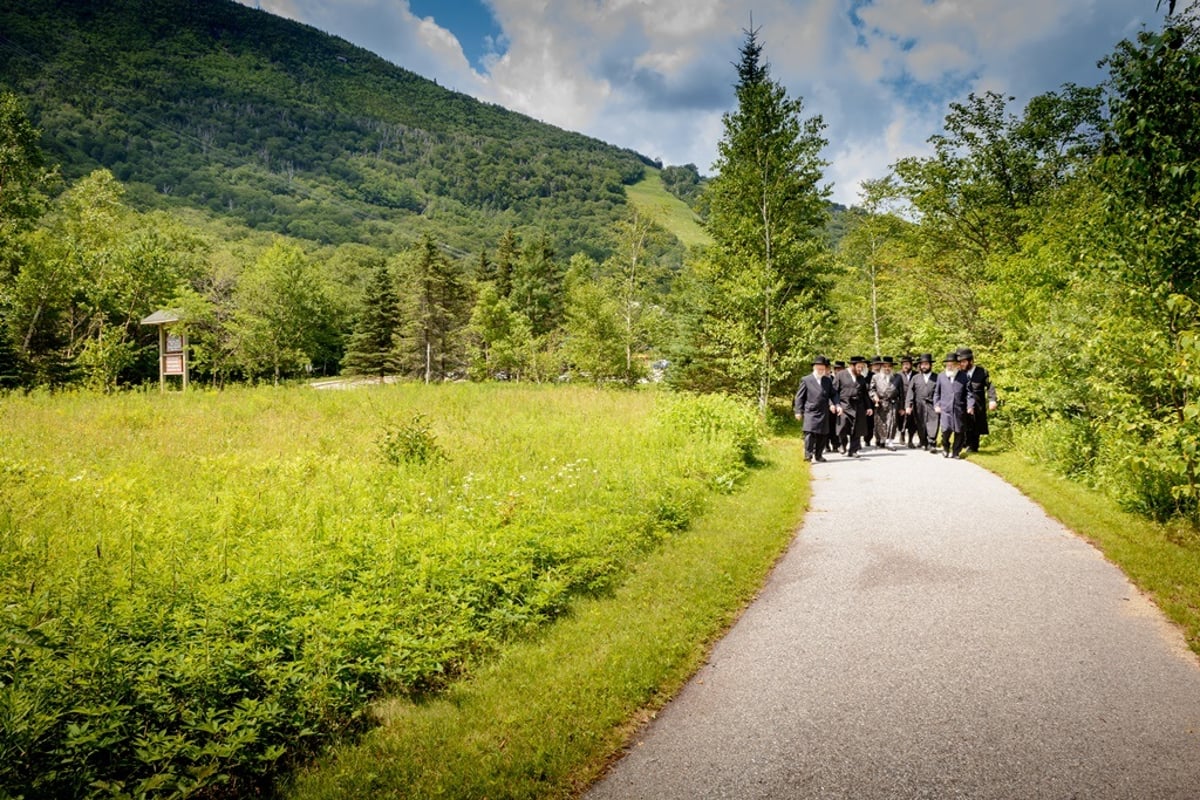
<point x="1066" y="446"/>
<point x="411" y="443"/>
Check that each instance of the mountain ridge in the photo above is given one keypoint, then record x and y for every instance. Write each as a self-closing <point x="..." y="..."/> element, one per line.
<point x="271" y="122"/>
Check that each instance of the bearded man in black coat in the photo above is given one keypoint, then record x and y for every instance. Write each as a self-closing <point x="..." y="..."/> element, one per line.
<point x="980" y="384"/>
<point x="854" y="422"/>
<point x="919" y="403"/>
<point x="817" y="404"/>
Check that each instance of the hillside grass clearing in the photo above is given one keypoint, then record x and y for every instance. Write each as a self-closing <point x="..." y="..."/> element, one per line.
<point x="544" y="719"/>
<point x="1162" y="560"/>
<point x="651" y="197"/>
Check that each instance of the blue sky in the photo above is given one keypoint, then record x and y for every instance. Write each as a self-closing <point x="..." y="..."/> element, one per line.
<point x="470" y="21"/>
<point x="656" y="75"/>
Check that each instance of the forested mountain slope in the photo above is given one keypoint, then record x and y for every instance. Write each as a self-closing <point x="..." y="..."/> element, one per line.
<point x="212" y="104"/>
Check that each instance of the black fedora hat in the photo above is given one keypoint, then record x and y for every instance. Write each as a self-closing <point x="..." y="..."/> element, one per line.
<point x="877" y="360"/>
<point x="904" y="359"/>
<point x="857" y="359"/>
<point x="822" y="360"/>
<point x="951" y="357"/>
<point x="926" y="358"/>
<point x="888" y="360"/>
<point x="839" y="364"/>
<point x="965" y="354"/>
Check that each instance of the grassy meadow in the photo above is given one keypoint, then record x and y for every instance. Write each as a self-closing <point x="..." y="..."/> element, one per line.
<point x="199" y="591"/>
<point x="650" y="197"/>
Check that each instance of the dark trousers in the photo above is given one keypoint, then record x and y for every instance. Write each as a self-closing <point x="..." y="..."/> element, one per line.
<point x="971" y="431"/>
<point x="953" y="447"/>
<point x="814" y="445"/>
<point x="845" y="439"/>
<point x="926" y="422"/>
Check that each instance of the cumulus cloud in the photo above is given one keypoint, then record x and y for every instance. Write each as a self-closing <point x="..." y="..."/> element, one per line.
<point x="656" y="75"/>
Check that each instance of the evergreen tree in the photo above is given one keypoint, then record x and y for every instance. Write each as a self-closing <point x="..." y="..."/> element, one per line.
<point x="759" y="314"/>
<point x="508" y="252"/>
<point x="537" y="286"/>
<point x="485" y="269"/>
<point x="373" y="346"/>
<point x="436" y="303"/>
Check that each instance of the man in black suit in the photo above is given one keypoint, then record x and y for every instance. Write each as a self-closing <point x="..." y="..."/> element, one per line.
<point x="851" y="386"/>
<point x="817" y="404"/>
<point x="906" y="426"/>
<point x="836" y="441"/>
<point x="954" y="403"/>
<point x="919" y="403"/>
<point x="980" y="384"/>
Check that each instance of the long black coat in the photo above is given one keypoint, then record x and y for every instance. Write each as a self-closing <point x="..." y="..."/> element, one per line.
<point x="853" y="391"/>
<point x="980" y="385"/>
<point x="953" y="396"/>
<point x="920" y="391"/>
<point x="812" y="402"/>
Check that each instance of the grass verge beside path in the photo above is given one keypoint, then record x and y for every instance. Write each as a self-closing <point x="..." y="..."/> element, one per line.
<point x="545" y="718"/>
<point x="1160" y="560"/>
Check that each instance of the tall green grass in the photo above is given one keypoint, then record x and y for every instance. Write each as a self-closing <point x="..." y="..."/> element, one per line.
<point x="544" y="719"/>
<point x="198" y="591"/>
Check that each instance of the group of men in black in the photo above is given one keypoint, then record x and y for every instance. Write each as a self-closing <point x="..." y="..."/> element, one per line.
<point x="846" y="407"/>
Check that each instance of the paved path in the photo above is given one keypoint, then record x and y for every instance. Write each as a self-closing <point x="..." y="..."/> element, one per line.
<point x="900" y="651"/>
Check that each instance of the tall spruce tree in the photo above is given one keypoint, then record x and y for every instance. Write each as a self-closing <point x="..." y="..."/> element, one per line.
<point x="538" y="286"/>
<point x="508" y="251"/>
<point x="372" y="349"/>
<point x="767" y="209"/>
<point x="437" y="303"/>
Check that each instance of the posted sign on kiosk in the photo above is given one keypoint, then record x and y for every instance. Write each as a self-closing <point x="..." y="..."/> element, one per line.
<point x="172" y="345"/>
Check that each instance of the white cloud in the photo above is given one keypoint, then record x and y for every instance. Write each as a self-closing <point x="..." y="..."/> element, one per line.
<point x="655" y="75"/>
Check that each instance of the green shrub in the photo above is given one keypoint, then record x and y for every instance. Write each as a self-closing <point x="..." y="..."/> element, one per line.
<point x="411" y="443"/>
<point x="1066" y="446"/>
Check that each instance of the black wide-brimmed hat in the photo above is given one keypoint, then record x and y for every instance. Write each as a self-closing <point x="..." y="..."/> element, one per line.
<point x="877" y="360"/>
<point x="822" y="360"/>
<point x="857" y="359"/>
<point x="951" y="357"/>
<point x="926" y="358"/>
<point x="965" y="354"/>
<point x="906" y="358"/>
<point x="839" y="364"/>
<point x="888" y="360"/>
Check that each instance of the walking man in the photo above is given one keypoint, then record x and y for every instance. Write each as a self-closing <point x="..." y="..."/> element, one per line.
<point x="851" y="386"/>
<point x="872" y="369"/>
<point x="887" y="392"/>
<point x="836" y="440"/>
<point x="816" y="404"/>
<point x="907" y="425"/>
<point x="980" y="384"/>
<point x="919" y="403"/>
<point x="953" y="402"/>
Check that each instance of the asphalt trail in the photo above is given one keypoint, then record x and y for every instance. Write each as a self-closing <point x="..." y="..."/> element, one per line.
<point x="931" y="634"/>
